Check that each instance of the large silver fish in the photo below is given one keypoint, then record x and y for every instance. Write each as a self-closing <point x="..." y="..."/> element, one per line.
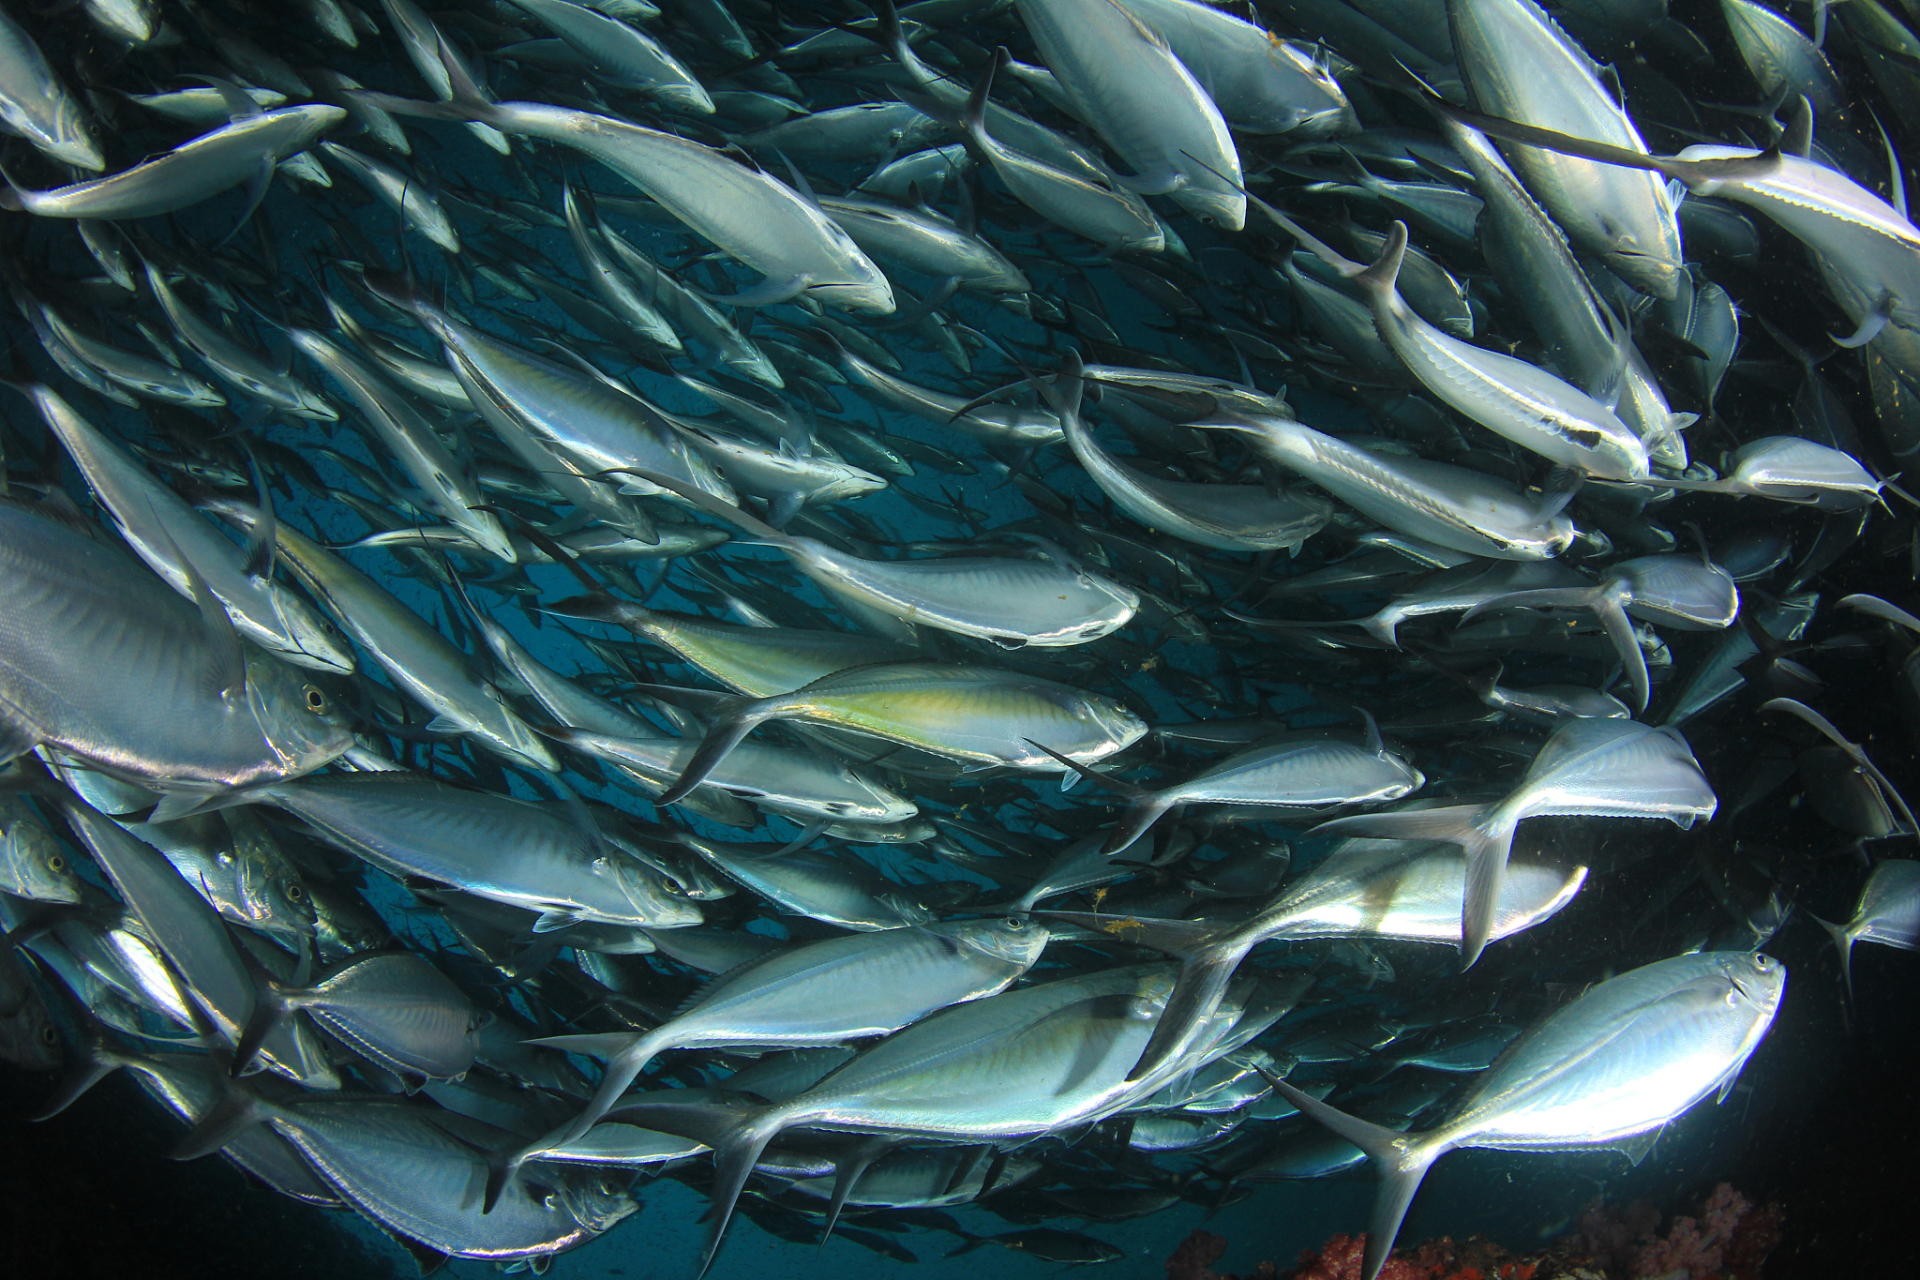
<point x="1607" y="1071"/>
<point x="101" y="659"/>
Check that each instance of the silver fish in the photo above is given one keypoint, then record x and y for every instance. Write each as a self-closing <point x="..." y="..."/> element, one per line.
<point x="107" y="663"/>
<point x="1518" y="63"/>
<point x="1302" y="771"/>
<point x="37" y="106"/>
<point x="826" y="992"/>
<point x="1608" y="1070"/>
<point x="1402" y="889"/>
<point x="1125" y="80"/>
<point x="196" y="945"/>
<point x="196" y="170"/>
<point x="1595" y="766"/>
<point x="449" y="486"/>
<point x="1450" y="506"/>
<point x="1887" y="912"/>
<point x="492" y="846"/>
<point x="1676" y="590"/>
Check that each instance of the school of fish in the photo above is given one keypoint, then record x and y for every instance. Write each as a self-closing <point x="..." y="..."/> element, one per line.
<point x="999" y="606"/>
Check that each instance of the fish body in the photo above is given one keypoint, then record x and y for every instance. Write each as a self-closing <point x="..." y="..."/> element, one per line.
<point x="196" y="170"/>
<point x="1519" y="64"/>
<point x="491" y="846"/>
<point x="101" y="659"/>
<point x="1607" y="1070"/>
<point x="1887" y="912"/>
<point x="1446" y="505"/>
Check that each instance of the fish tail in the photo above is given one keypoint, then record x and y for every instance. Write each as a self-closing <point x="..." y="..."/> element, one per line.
<point x="733" y="1159"/>
<point x="238" y="1110"/>
<point x="1843" y="943"/>
<point x="1208" y="954"/>
<point x="1384" y="272"/>
<point x="973" y="117"/>
<point x="724" y="733"/>
<point x="1487" y="852"/>
<point x="1146" y="809"/>
<point x="626" y="1054"/>
<point x="737" y="1129"/>
<point x="1487" y="840"/>
<point x="1626" y="645"/>
<point x="271" y="1008"/>
<point x="1205" y="970"/>
<point x="847" y="1172"/>
<point x="1542" y="598"/>
<point x="1401" y="1159"/>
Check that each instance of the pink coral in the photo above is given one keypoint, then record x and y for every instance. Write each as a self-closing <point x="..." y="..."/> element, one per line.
<point x="1727" y="1240"/>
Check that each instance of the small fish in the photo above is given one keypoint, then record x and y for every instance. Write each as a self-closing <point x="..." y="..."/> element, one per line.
<point x="1887" y="912"/>
<point x="1615" y="768"/>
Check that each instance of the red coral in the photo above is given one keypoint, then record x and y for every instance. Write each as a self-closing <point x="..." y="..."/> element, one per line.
<point x="1196" y="1254"/>
<point x="1341" y="1258"/>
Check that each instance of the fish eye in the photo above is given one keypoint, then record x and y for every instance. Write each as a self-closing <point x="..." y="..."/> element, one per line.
<point x="48" y="1035"/>
<point x="295" y="893"/>
<point x="56" y="864"/>
<point x="1015" y="922"/>
<point x="316" y="700"/>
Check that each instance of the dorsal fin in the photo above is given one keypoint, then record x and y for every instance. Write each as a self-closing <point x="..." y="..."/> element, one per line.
<point x="1385" y="270"/>
<point x="1798" y="139"/>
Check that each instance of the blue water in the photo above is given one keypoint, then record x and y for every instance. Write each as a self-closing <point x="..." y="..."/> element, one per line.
<point x="1849" y="1076"/>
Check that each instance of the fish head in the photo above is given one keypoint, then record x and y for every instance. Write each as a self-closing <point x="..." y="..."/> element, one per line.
<point x="28" y="1036"/>
<point x="1654" y="274"/>
<point x="657" y="900"/>
<point x="1223" y="207"/>
<point x="272" y="892"/>
<point x="1016" y="940"/>
<point x="72" y="137"/>
<point x="1403" y="779"/>
<point x="1120" y="724"/>
<point x="35" y="864"/>
<point x="884" y="805"/>
<point x="1757" y="979"/>
<point x="872" y="296"/>
<point x="1793" y="469"/>
<point x="845" y="483"/>
<point x="596" y="1200"/>
<point x="491" y="535"/>
<point x="316" y="642"/>
<point x="309" y="403"/>
<point x="1679" y="590"/>
<point x="299" y="720"/>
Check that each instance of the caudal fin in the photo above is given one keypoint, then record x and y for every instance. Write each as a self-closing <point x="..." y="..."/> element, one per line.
<point x="1208" y="953"/>
<point x="1401" y="1160"/>
<point x="1843" y="943"/>
<point x="1383" y="274"/>
<point x="737" y="1129"/>
<point x="723" y="736"/>
<point x="1487" y="845"/>
<point x="626" y="1054"/>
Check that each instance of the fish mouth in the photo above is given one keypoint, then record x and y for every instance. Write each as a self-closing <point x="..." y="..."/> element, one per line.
<point x="1330" y="122"/>
<point x="1226" y="210"/>
<point x="1650" y="273"/>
